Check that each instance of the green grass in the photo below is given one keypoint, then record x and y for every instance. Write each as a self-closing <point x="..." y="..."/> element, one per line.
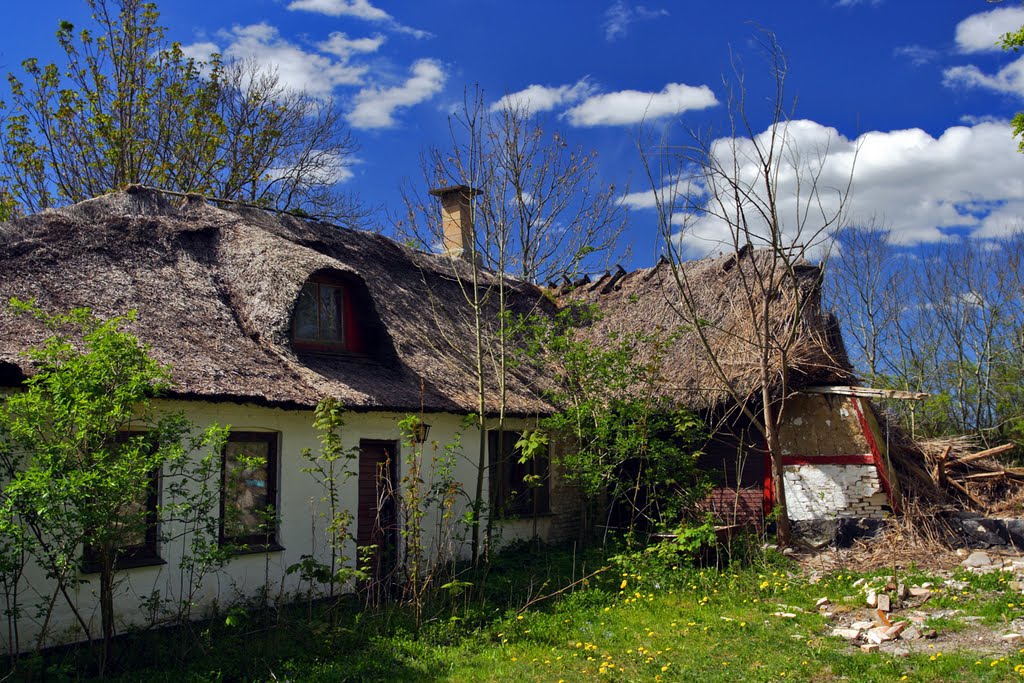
<point x="652" y="622"/>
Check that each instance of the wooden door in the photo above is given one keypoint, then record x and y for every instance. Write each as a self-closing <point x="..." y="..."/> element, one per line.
<point x="377" y="522"/>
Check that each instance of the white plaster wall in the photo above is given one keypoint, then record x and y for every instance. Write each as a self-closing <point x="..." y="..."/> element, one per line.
<point x="830" y="491"/>
<point x="301" y="528"/>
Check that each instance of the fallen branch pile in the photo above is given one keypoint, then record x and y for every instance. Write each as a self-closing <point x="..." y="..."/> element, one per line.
<point x="955" y="469"/>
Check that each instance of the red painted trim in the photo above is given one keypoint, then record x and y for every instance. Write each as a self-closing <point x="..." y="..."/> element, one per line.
<point x="353" y="336"/>
<point x="769" y="481"/>
<point x="862" y="459"/>
<point x="875" y="452"/>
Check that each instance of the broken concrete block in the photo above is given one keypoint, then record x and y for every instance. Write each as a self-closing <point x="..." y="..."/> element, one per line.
<point x="896" y="629"/>
<point x="1013" y="638"/>
<point x="979" y="558"/>
<point x="784" y="615"/>
<point x="822" y="602"/>
<point x="862" y="625"/>
<point x="879" y="635"/>
<point x="902" y="592"/>
<point x="883" y="602"/>
<point x="859" y="582"/>
<point x="919" y="592"/>
<point x="872" y="599"/>
<point x="911" y="633"/>
<point x="869" y="647"/>
<point x="848" y="633"/>
<point x="929" y="633"/>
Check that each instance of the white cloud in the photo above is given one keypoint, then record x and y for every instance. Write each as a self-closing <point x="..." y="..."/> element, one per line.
<point x="340" y="44"/>
<point x="375" y="107"/>
<point x="200" y="51"/>
<point x="298" y="69"/>
<point x="1009" y="79"/>
<point x="972" y="120"/>
<point x="632" y="106"/>
<point x="537" y="98"/>
<point x="969" y="178"/>
<point x="620" y="16"/>
<point x="358" y="9"/>
<point x="917" y="54"/>
<point x="981" y="32"/>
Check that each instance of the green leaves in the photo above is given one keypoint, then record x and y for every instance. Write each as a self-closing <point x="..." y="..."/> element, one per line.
<point x="127" y="107"/>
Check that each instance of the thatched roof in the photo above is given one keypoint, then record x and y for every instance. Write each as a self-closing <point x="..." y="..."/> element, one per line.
<point x="215" y="288"/>
<point x="649" y="301"/>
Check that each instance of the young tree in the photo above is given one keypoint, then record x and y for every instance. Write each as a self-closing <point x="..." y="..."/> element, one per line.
<point x="127" y="107"/>
<point x="80" y="471"/>
<point x="538" y="211"/>
<point x="771" y="204"/>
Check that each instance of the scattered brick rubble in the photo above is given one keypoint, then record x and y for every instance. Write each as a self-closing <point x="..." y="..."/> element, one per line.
<point x="892" y="611"/>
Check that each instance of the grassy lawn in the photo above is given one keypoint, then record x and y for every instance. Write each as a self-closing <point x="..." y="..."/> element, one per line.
<point x="646" y="623"/>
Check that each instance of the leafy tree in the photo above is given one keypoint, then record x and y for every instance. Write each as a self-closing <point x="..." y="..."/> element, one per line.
<point x="625" y="442"/>
<point x="78" y="476"/>
<point x="127" y="107"/>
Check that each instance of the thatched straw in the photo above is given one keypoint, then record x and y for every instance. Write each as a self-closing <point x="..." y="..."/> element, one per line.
<point x="215" y="290"/>
<point x="650" y="301"/>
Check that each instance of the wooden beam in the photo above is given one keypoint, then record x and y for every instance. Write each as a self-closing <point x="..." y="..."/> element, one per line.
<point x="866" y="392"/>
<point x="988" y="452"/>
<point x="963" y="489"/>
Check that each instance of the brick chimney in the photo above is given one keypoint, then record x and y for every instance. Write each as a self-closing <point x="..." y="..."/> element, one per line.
<point x="457" y="219"/>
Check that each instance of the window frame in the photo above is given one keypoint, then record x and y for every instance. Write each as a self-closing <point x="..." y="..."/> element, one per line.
<point x="258" y="542"/>
<point x="506" y="473"/>
<point x="147" y="553"/>
<point x="320" y="343"/>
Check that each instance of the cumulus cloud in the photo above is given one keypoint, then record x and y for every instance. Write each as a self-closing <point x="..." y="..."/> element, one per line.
<point x="358" y="9"/>
<point x="619" y="17"/>
<point x="1009" y="79"/>
<point x="375" y="107"/>
<point x="538" y="98"/>
<point x="969" y="178"/>
<point x="982" y="32"/>
<point x="633" y="106"/>
<point x="298" y="69"/>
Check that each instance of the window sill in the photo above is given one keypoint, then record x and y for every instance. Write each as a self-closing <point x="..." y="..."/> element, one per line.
<point x="523" y="516"/>
<point x="126" y="563"/>
<point x="252" y="548"/>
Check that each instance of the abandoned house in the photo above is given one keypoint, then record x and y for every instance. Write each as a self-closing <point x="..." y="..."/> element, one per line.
<point x="260" y="316"/>
<point x="835" y="457"/>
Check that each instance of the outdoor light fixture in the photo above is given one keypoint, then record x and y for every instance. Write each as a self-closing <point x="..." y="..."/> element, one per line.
<point x="422" y="431"/>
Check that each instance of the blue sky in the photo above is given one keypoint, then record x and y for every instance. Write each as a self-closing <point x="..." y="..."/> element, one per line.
<point x="919" y="90"/>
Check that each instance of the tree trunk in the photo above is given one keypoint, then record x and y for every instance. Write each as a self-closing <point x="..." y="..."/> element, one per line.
<point x="784" y="532"/>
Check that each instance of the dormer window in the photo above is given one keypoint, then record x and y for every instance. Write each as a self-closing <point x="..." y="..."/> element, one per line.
<point x="327" y="315"/>
<point x="320" y="316"/>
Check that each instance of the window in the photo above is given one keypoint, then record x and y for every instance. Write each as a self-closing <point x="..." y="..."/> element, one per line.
<point x="517" y="488"/>
<point x="320" y="316"/>
<point x="249" y="491"/>
<point x="138" y="524"/>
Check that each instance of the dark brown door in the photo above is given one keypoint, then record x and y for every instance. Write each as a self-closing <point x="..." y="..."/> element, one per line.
<point x="377" y="523"/>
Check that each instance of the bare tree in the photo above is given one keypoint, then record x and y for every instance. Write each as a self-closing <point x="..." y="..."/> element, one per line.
<point x="542" y="212"/>
<point x="538" y="212"/>
<point x="866" y="287"/>
<point x="770" y="203"/>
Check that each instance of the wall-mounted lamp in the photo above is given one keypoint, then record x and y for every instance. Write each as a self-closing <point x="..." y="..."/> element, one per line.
<point x="421" y="433"/>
